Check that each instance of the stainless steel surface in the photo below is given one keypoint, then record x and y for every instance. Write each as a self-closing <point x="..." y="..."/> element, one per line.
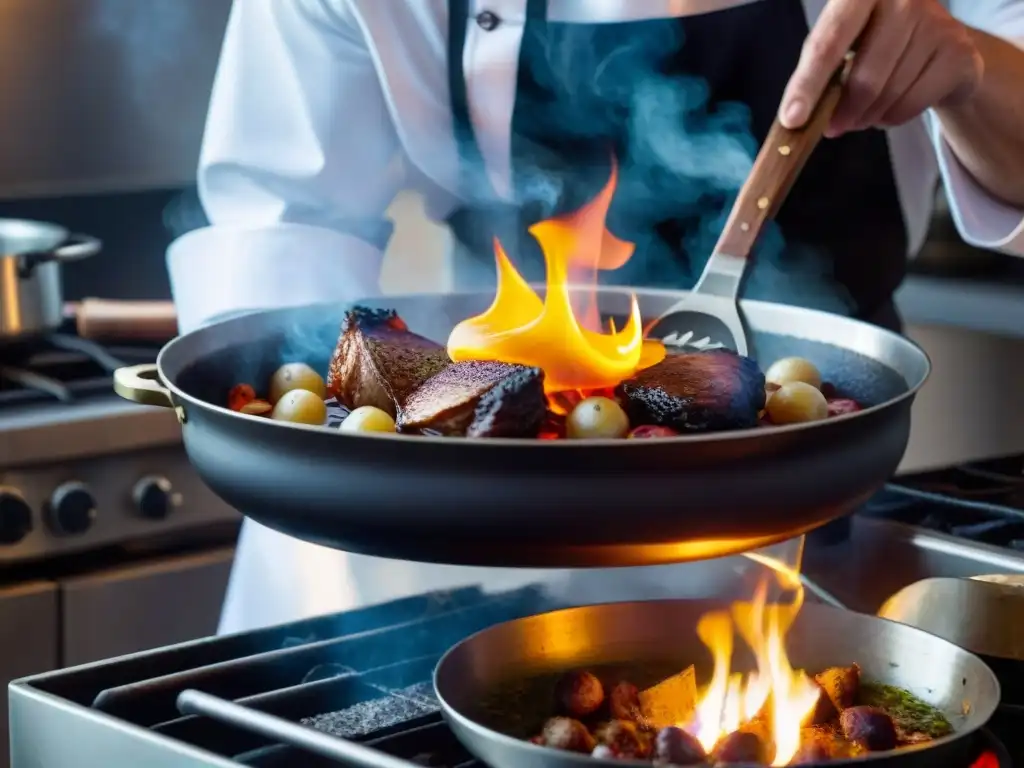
<point x="983" y="617"/>
<point x="111" y="477"/>
<point x="48" y="625"/>
<point x="715" y="295"/>
<point x="900" y="556"/>
<point x="50" y="432"/>
<point x="31" y="293"/>
<point x="880" y="558"/>
<point x="104" y="95"/>
<point x="29" y="638"/>
<point x="972" y="406"/>
<point x="179" y="596"/>
<point x="312" y="484"/>
<point x="949" y="678"/>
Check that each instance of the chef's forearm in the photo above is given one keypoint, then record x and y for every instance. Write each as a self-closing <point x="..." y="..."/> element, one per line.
<point x="986" y="132"/>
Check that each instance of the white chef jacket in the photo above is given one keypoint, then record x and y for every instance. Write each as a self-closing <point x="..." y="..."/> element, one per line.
<point x="321" y="112"/>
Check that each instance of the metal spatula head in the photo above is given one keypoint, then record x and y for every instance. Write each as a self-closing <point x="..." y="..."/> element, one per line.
<point x="710" y="317"/>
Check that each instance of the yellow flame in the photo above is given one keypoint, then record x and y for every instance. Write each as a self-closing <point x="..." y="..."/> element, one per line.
<point x="565" y="341"/>
<point x="775" y="693"/>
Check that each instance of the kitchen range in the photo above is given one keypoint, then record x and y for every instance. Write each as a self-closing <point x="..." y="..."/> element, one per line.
<point x="407" y="682"/>
<point x="104" y="525"/>
<point x="355" y="689"/>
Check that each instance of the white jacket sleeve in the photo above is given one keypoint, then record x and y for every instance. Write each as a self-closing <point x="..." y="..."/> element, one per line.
<point x="981" y="219"/>
<point x="300" y="161"/>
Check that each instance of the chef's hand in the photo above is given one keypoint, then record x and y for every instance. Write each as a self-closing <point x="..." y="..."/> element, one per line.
<point x="912" y="55"/>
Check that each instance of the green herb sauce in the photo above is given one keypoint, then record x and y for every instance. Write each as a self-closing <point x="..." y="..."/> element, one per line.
<point x="909" y="713"/>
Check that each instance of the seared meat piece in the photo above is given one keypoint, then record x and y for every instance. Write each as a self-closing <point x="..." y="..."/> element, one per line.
<point x="515" y="407"/>
<point x="478" y="399"/>
<point x="741" y="747"/>
<point x="579" y="693"/>
<point x="674" y="746"/>
<point x="868" y="727"/>
<point x="379" y="361"/>
<point x="566" y="733"/>
<point x="624" y="739"/>
<point x="824" y="711"/>
<point x="819" y="745"/>
<point x="624" y="702"/>
<point x="697" y="392"/>
<point x="841" y="684"/>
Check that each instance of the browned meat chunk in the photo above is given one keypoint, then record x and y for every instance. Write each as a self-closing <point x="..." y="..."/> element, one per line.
<point x="868" y="727"/>
<point x="379" y="361"/>
<point x="579" y="693"/>
<point x="624" y="739"/>
<point x="841" y="684"/>
<point x="819" y="745"/>
<point x="624" y="702"/>
<point x="741" y="747"/>
<point x="697" y="392"/>
<point x="824" y="710"/>
<point x="675" y="746"/>
<point x="478" y="399"/>
<point x="568" y="734"/>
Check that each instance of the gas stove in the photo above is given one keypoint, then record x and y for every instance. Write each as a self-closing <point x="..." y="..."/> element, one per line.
<point x="79" y="467"/>
<point x="354" y="689"/>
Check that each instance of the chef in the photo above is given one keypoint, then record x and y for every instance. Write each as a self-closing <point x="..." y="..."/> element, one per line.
<point x="502" y="112"/>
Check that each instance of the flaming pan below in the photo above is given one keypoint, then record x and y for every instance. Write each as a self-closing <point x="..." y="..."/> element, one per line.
<point x="560" y="503"/>
<point x="631" y="636"/>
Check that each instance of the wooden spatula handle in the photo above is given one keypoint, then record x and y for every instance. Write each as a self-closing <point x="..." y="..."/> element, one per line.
<point x="776" y="168"/>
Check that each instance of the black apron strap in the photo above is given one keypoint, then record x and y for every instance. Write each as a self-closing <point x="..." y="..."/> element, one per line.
<point x="458" y="20"/>
<point x="472" y="171"/>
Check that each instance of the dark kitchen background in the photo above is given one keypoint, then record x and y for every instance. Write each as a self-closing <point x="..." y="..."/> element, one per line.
<point x="102" y="104"/>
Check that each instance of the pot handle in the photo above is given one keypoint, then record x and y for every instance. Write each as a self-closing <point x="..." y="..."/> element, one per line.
<point x="78" y="246"/>
<point x="140" y="384"/>
<point x="75" y="248"/>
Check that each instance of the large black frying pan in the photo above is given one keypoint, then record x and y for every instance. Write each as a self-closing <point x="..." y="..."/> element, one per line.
<point x="639" y="634"/>
<point x="529" y="502"/>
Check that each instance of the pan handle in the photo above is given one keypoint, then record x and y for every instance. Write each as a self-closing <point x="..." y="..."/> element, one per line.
<point x="78" y="246"/>
<point x="141" y="384"/>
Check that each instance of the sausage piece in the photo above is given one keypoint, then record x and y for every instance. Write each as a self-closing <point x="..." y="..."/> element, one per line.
<point x="740" y="747"/>
<point x="568" y="734"/>
<point x="678" y="747"/>
<point x="869" y="727"/>
<point x="579" y="694"/>
<point x="624" y="702"/>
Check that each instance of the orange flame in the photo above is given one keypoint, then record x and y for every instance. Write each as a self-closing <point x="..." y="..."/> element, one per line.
<point x="775" y="695"/>
<point x="565" y="341"/>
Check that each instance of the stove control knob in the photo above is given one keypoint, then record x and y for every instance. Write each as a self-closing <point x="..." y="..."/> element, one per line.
<point x="154" y="497"/>
<point x="15" y="516"/>
<point x="71" y="509"/>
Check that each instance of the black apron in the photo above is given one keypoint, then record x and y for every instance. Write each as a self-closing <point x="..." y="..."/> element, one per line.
<point x="586" y="91"/>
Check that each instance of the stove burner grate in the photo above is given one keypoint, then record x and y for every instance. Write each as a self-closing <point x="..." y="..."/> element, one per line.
<point x="351" y="691"/>
<point x="63" y="368"/>
<point x="988" y="510"/>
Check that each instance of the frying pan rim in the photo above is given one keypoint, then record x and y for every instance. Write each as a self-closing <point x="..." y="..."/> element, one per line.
<point x="449" y="711"/>
<point x="496" y="443"/>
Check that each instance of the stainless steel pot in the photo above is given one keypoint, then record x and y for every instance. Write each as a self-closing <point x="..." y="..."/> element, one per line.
<point x="31" y="292"/>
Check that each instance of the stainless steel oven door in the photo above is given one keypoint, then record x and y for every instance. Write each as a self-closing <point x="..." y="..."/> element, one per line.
<point x="29" y="639"/>
<point x="129" y="608"/>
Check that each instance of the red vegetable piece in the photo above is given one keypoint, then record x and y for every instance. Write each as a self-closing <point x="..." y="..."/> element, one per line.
<point x="257" y="408"/>
<point x="839" y="406"/>
<point x="239" y="396"/>
<point x="650" y="431"/>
